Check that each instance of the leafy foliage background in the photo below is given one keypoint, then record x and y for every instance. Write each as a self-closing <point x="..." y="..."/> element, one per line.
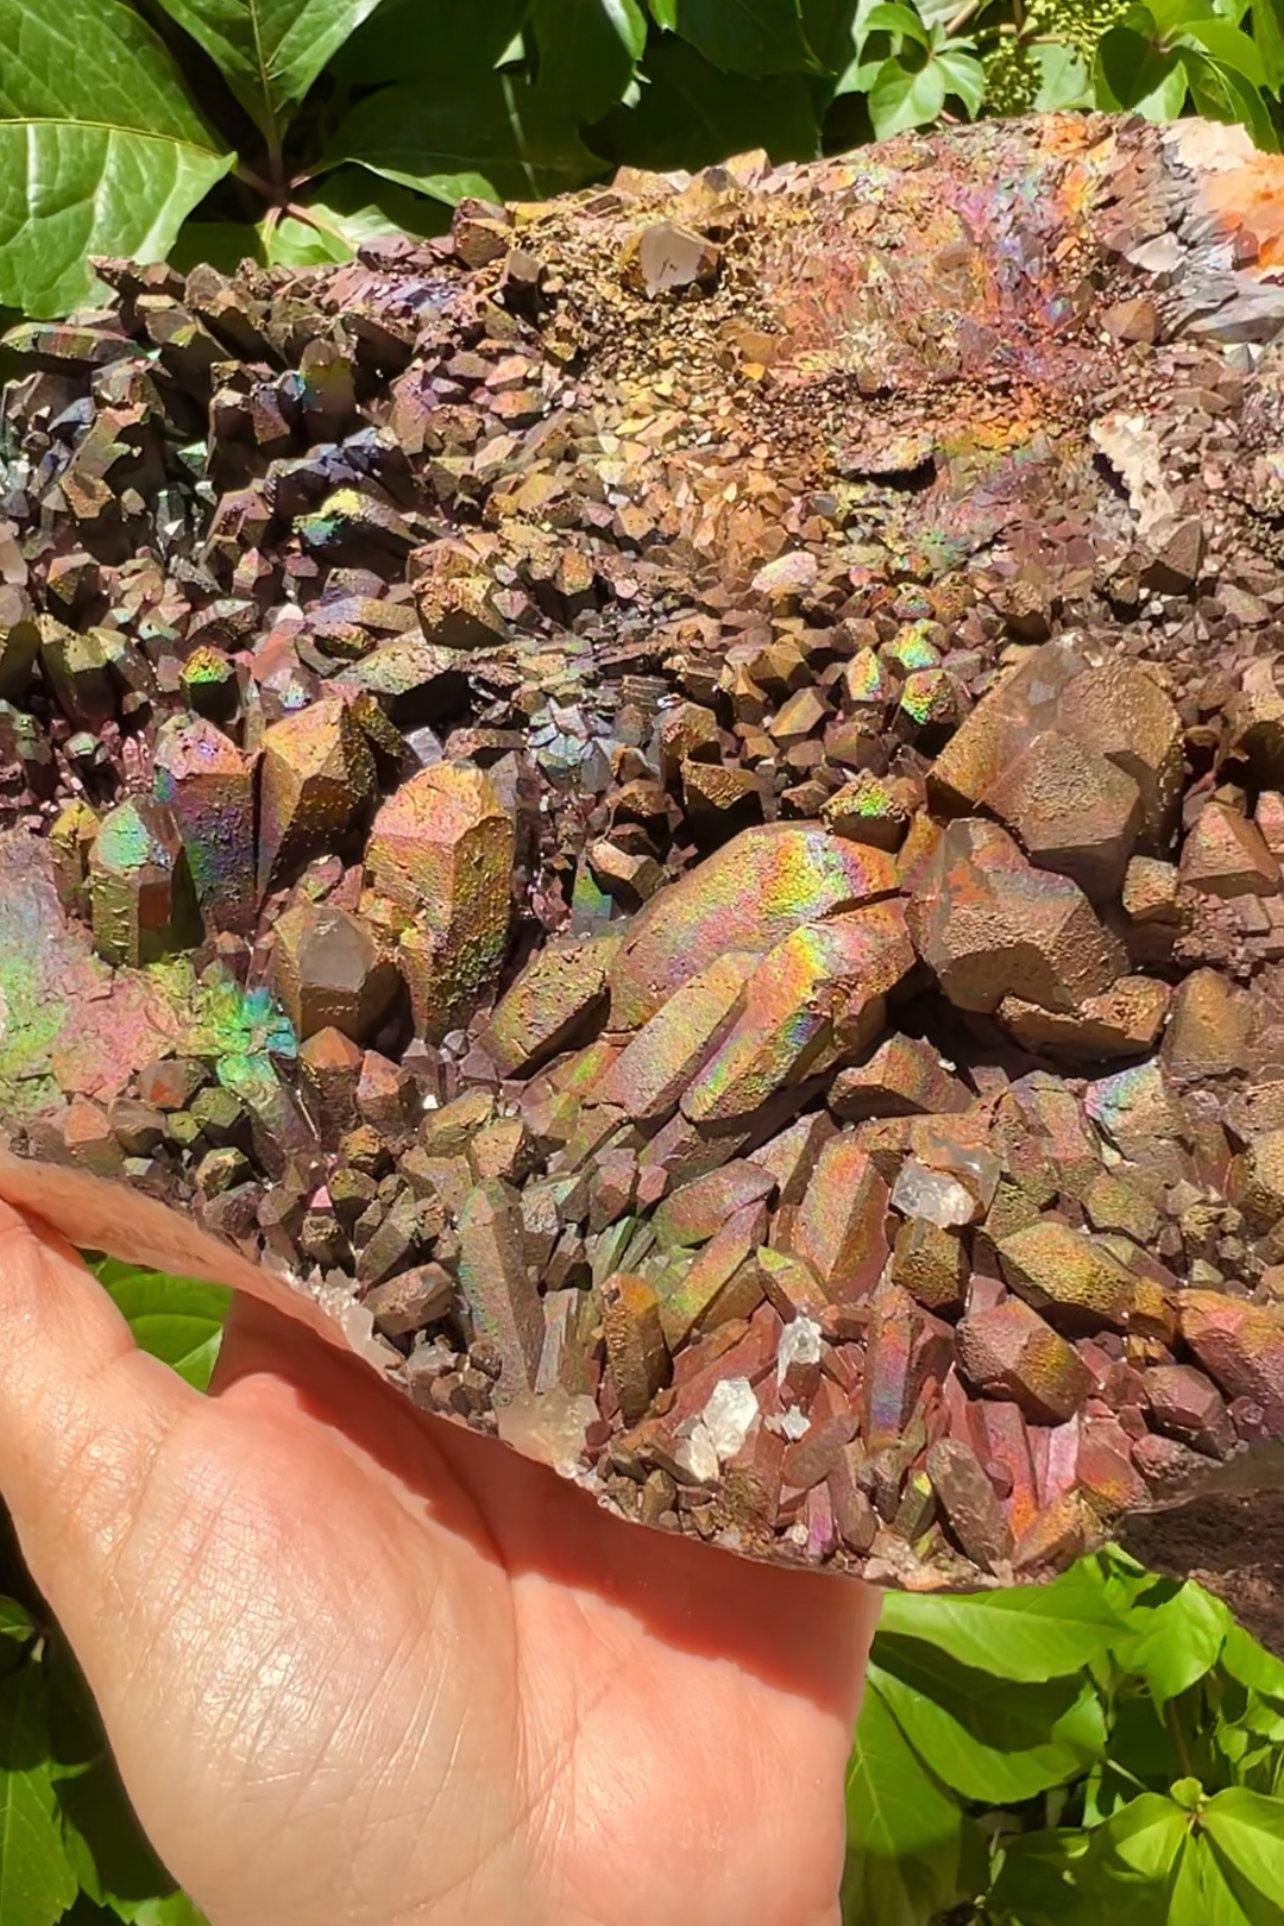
<point x="291" y="130"/>
<point x="1110" y="1747"/>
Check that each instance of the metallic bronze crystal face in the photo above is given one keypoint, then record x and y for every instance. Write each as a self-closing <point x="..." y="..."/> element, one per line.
<point x="665" y="815"/>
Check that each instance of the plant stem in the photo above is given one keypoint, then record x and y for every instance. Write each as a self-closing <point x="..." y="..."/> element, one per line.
<point x="299" y="213"/>
<point x="275" y="157"/>
<point x="1172" y="1719"/>
<point x="252" y="179"/>
<point x="961" y="18"/>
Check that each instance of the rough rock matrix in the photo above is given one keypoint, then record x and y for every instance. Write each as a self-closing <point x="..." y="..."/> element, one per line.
<point x="672" y="806"/>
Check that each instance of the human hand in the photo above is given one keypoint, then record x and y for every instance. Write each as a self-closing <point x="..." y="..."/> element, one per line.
<point x="362" y="1668"/>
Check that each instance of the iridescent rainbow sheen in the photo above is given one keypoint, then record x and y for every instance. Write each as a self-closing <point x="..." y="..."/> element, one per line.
<point x="746" y="896"/>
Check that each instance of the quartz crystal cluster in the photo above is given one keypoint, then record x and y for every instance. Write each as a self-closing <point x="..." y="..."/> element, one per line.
<point x="672" y="807"/>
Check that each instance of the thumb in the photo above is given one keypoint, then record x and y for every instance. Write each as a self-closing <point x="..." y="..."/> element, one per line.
<point x="83" y="1413"/>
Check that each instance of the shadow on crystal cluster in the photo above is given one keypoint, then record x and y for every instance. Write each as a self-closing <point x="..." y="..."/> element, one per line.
<point x="672" y="807"/>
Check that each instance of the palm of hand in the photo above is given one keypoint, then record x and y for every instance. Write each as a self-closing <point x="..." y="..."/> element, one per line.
<point x="361" y="1668"/>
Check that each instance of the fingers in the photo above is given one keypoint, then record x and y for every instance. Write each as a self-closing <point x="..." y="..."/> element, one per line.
<point x="82" y="1410"/>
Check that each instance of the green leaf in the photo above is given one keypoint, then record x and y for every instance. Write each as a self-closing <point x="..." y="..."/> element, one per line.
<point x="857" y="69"/>
<point x="1037" y="1632"/>
<point x="1210" y="1891"/>
<point x="890" y="17"/>
<point x="17" y="1630"/>
<point x="1141" y="1741"/>
<point x="349" y="208"/>
<point x="1037" y="1884"/>
<point x="1178" y="1638"/>
<point x="101" y="1836"/>
<point x="964" y="78"/>
<point x="985" y="1737"/>
<point x="37" y="1884"/>
<point x="176" y="1909"/>
<point x="828" y="26"/>
<point x="902" y="97"/>
<point x="906" y="1836"/>
<point x="691" y="115"/>
<point x="1146" y="1835"/>
<point x="1064" y="79"/>
<point x="1268" y="38"/>
<point x="1222" y="94"/>
<point x="1250" y="1662"/>
<point x="742" y="36"/>
<point x="1170" y="16"/>
<point x="445" y="40"/>
<point x="1166" y="100"/>
<point x="1248" y="1830"/>
<point x="498" y="138"/>
<point x="588" y="51"/>
<point x="1228" y="47"/>
<point x="101" y="151"/>
<point x="1131" y="72"/>
<point x="269" y="51"/>
<point x="177" y="1319"/>
<point x="111" y="1859"/>
<point x="224" y="244"/>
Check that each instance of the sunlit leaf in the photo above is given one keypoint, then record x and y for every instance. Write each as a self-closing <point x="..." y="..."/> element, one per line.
<point x="1146" y="1835"/>
<point x="37" y="1884"/>
<point x="890" y="17"/>
<point x="1222" y="94"/>
<point x="350" y="206"/>
<point x="1268" y="37"/>
<point x="1132" y="72"/>
<point x="1063" y="77"/>
<point x="270" y="51"/>
<point x="986" y="1737"/>
<point x="906" y="1834"/>
<point x="1037" y="1632"/>
<point x="903" y="97"/>
<point x="964" y="78"/>
<point x="1178" y="1637"/>
<point x="101" y="150"/>
<point x="1249" y="1661"/>
<point x="1248" y="1830"/>
<point x="177" y="1319"/>
<point x="1228" y="47"/>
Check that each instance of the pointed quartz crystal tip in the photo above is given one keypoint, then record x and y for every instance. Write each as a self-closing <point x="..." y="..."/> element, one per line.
<point x="492" y="1277"/>
<point x="317" y="775"/>
<point x="208" y="784"/>
<point x="140" y="889"/>
<point x="441" y="851"/>
<point x="992" y="925"/>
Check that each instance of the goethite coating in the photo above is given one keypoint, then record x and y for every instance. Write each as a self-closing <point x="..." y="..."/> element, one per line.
<point x="666" y="815"/>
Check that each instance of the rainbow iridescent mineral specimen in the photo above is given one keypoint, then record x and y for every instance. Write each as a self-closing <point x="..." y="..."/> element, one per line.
<point x="666" y="815"/>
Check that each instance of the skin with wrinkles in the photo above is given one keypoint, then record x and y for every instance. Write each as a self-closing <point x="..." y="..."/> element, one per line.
<point x="359" y="1666"/>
